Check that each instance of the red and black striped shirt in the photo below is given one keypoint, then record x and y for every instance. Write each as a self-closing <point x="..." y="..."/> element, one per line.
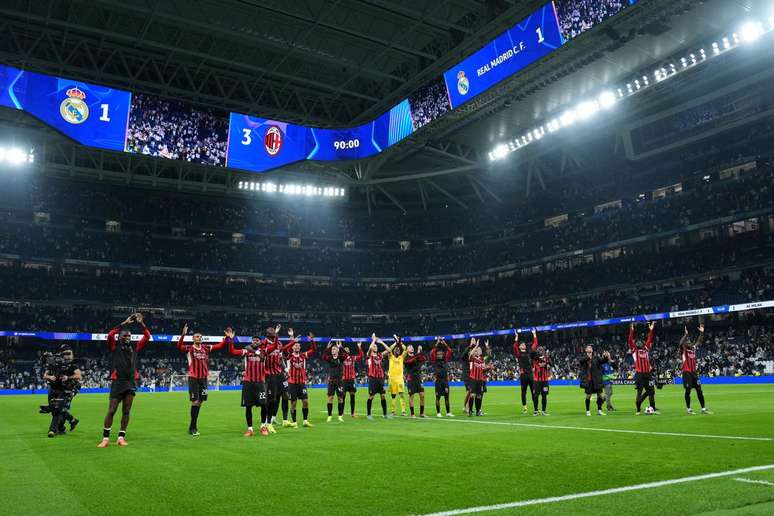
<point x="375" y="365"/>
<point x="275" y="361"/>
<point x="541" y="367"/>
<point x="641" y="356"/>
<point x="689" y="353"/>
<point x="199" y="356"/>
<point x="253" y="362"/>
<point x="349" y="365"/>
<point x="477" y="369"/>
<point x="297" y="363"/>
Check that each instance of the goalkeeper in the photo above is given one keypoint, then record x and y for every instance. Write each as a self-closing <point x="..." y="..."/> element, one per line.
<point x="395" y="374"/>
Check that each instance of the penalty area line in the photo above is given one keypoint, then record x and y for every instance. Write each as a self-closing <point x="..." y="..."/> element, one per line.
<point x="589" y="494"/>
<point x="751" y="481"/>
<point x="613" y="430"/>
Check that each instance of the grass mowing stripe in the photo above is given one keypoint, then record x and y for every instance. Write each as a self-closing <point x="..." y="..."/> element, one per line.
<point x="615" y="430"/>
<point x="614" y="490"/>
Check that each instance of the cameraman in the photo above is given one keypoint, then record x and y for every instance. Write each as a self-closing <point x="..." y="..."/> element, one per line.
<point x="64" y="382"/>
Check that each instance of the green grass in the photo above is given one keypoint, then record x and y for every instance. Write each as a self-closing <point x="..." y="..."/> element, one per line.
<point x="399" y="466"/>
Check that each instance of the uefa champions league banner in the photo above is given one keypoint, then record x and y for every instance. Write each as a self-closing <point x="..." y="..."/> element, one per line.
<point x="720" y="309"/>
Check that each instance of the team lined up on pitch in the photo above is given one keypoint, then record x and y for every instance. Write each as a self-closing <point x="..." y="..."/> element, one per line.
<point x="274" y="375"/>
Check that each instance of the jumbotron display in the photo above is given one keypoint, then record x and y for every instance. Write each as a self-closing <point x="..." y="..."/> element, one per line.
<point x="118" y="120"/>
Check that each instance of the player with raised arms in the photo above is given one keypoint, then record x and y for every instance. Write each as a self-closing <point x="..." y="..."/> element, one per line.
<point x="440" y="356"/>
<point x="395" y="375"/>
<point x="335" y="354"/>
<point x="690" y="371"/>
<point x="643" y="375"/>
<point x="276" y="381"/>
<point x="123" y="375"/>
<point x="198" y="357"/>
<point x="348" y="377"/>
<point x="525" y="369"/>
<point x="297" y="376"/>
<point x="541" y="374"/>
<point x="374" y="360"/>
<point x="413" y="362"/>
<point x="477" y="372"/>
<point x="253" y="380"/>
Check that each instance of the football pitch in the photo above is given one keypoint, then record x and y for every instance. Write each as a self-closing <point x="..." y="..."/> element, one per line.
<point x="501" y="463"/>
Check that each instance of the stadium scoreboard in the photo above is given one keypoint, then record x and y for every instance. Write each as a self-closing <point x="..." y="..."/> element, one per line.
<point x="113" y="119"/>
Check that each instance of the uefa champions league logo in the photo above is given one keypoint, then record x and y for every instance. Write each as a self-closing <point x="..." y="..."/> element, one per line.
<point x="73" y="109"/>
<point x="463" y="85"/>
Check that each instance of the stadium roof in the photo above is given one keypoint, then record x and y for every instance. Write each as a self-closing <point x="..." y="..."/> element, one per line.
<point x="334" y="63"/>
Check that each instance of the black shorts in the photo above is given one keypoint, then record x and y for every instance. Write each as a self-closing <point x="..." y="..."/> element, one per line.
<point x="526" y="380"/>
<point x="349" y="386"/>
<point x="335" y="386"/>
<point x="276" y="386"/>
<point x="441" y="386"/>
<point x="297" y="391"/>
<point x="643" y="381"/>
<point x="415" y="386"/>
<point x="467" y="383"/>
<point x="121" y="388"/>
<point x="253" y="394"/>
<point x="477" y="387"/>
<point x="691" y="380"/>
<point x="197" y="389"/>
<point x="540" y="387"/>
<point x="591" y="388"/>
<point x="484" y="388"/>
<point x="375" y="386"/>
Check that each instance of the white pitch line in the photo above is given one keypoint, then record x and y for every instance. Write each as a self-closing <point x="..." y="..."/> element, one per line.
<point x="751" y="481"/>
<point x="614" y="490"/>
<point x="614" y="430"/>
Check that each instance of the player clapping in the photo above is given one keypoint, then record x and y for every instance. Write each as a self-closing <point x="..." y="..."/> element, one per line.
<point x="591" y="377"/>
<point x="297" y="376"/>
<point x="643" y="376"/>
<point x="440" y="356"/>
<point x="541" y="374"/>
<point x="348" y="377"/>
<point x="477" y="370"/>
<point x="374" y="360"/>
<point x="525" y="368"/>
<point x="413" y="362"/>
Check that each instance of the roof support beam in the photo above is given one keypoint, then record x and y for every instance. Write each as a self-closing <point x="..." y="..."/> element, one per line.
<point x="392" y="198"/>
<point x="446" y="193"/>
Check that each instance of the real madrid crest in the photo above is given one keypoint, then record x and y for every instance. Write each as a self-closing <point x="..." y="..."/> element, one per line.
<point x="463" y="85"/>
<point x="73" y="109"/>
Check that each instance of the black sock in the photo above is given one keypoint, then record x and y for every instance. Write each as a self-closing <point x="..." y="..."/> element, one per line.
<point x="478" y="405"/>
<point x="411" y="407"/>
<point x="544" y="402"/>
<point x="249" y="416"/>
<point x="284" y="410"/>
<point x="535" y="402"/>
<point x="599" y="403"/>
<point x="421" y="409"/>
<point x="438" y="405"/>
<point x="341" y="408"/>
<point x="687" y="398"/>
<point x="588" y="404"/>
<point x="195" y="416"/>
<point x="68" y="417"/>
<point x="384" y="406"/>
<point x="700" y="395"/>
<point x="293" y="415"/>
<point x="106" y="433"/>
<point x="122" y="433"/>
<point x="352" y="404"/>
<point x="652" y="400"/>
<point x="448" y="408"/>
<point x="264" y="414"/>
<point x="368" y="405"/>
<point x="305" y="412"/>
<point x="638" y="400"/>
<point x="329" y="406"/>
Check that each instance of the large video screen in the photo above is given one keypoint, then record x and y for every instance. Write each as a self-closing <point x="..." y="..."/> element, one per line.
<point x="118" y="120"/>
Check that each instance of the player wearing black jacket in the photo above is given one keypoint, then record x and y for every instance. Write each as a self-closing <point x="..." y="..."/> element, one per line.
<point x="591" y="377"/>
<point x="335" y="354"/>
